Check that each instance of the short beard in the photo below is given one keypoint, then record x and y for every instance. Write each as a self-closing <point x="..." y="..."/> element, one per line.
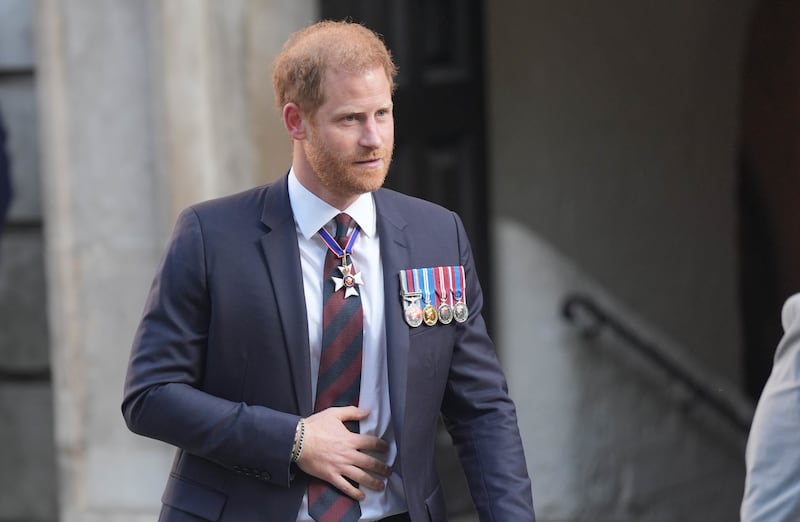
<point x="338" y="174"/>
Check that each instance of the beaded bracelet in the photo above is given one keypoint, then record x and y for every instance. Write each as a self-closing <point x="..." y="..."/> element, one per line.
<point x="298" y="445"/>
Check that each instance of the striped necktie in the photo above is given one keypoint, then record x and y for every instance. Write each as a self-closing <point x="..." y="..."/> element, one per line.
<point x="339" y="381"/>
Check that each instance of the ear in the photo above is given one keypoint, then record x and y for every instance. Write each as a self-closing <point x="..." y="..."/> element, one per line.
<point x="295" y="121"/>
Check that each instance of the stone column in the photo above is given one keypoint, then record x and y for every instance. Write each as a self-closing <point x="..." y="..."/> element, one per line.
<point x="216" y="60"/>
<point x="27" y="459"/>
<point x="145" y="107"/>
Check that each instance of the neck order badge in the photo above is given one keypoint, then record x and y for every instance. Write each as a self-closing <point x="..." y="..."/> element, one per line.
<point x="341" y="247"/>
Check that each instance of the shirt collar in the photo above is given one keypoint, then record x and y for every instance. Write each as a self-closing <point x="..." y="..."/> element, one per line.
<point x="311" y="213"/>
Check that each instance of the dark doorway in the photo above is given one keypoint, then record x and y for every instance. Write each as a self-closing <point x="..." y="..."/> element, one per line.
<point x="769" y="182"/>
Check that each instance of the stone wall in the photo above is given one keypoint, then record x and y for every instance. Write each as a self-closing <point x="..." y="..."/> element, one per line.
<point x="615" y="138"/>
<point x="614" y="149"/>
<point x="608" y="435"/>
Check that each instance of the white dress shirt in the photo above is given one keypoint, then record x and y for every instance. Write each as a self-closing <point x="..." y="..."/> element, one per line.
<point x="310" y="215"/>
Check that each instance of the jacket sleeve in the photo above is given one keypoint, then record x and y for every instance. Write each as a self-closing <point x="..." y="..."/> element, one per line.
<point x="772" y="483"/>
<point x="480" y="415"/>
<point x="164" y="397"/>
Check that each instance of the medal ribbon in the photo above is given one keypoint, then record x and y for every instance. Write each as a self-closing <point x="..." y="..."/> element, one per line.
<point x="415" y="272"/>
<point x="441" y="289"/>
<point x="450" y="281"/>
<point x="407" y="281"/>
<point x="427" y="273"/>
<point x="456" y="274"/>
<point x="463" y="282"/>
<point x="334" y="246"/>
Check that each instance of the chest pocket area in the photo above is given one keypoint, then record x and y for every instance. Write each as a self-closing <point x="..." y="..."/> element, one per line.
<point x="431" y="350"/>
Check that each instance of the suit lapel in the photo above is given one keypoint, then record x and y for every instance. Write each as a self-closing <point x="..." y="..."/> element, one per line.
<point x="394" y="257"/>
<point x="282" y="257"/>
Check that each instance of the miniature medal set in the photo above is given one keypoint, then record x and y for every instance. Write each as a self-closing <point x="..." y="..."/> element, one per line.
<point x="434" y="295"/>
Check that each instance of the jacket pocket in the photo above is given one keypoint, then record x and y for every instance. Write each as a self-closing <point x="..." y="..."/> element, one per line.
<point x="193" y="498"/>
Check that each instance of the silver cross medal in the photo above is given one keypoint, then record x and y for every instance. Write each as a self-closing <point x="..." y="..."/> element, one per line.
<point x="349" y="280"/>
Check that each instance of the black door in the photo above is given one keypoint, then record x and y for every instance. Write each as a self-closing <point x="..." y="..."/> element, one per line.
<point x="440" y="152"/>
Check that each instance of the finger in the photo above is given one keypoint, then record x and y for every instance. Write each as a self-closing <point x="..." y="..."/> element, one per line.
<point x="371" y="443"/>
<point x="368" y="463"/>
<point x="345" y="413"/>
<point x="366" y="480"/>
<point x="343" y="485"/>
<point x="357" y="477"/>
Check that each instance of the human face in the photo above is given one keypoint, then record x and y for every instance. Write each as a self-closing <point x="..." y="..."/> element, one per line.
<point x="351" y="137"/>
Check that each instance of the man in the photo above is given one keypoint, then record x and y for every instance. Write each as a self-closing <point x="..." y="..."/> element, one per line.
<point x="281" y="412"/>
<point x="772" y="486"/>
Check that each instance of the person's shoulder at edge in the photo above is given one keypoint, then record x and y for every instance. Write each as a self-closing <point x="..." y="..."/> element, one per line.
<point x="791" y="311"/>
<point x="790" y="318"/>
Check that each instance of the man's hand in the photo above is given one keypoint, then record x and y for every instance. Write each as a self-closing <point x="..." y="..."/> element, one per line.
<point x="334" y="454"/>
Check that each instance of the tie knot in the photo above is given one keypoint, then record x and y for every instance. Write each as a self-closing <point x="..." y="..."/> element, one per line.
<point x="343" y="222"/>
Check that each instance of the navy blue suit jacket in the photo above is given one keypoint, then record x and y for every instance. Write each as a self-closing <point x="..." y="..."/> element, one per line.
<point x="220" y="365"/>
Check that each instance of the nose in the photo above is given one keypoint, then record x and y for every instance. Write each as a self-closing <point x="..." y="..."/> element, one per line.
<point x="370" y="135"/>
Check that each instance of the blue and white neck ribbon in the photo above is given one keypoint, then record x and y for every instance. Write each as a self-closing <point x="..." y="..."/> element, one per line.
<point x="350" y="279"/>
<point x="334" y="246"/>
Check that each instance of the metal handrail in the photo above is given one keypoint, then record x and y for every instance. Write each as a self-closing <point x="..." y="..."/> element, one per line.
<point x="21" y="225"/>
<point x="602" y="319"/>
<point x="24" y="376"/>
<point x="16" y="71"/>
